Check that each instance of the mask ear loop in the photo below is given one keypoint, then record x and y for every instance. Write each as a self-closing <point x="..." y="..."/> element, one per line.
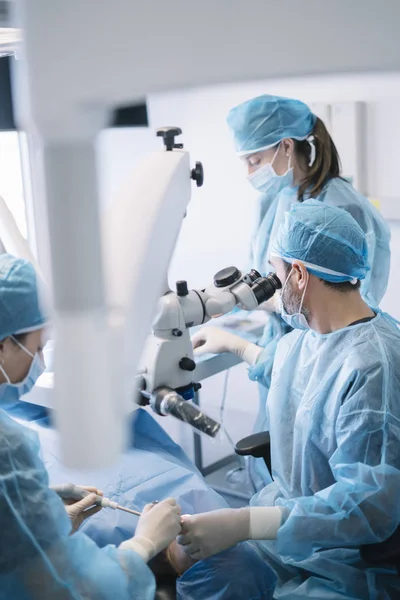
<point x="22" y="347"/>
<point x="305" y="289"/>
<point x="276" y="154"/>
<point x="304" y="292"/>
<point x="5" y="374"/>
<point x="286" y="280"/>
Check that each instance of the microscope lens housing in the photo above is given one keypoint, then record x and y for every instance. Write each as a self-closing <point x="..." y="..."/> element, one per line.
<point x="265" y="287"/>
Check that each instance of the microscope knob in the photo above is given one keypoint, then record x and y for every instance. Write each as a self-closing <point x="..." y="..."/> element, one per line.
<point x="169" y="134"/>
<point x="187" y="364"/>
<point x="226" y="277"/>
<point x="197" y="174"/>
<point x="182" y="288"/>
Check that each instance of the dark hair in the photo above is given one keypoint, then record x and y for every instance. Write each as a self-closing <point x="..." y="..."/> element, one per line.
<point x="326" y="165"/>
<point x="343" y="287"/>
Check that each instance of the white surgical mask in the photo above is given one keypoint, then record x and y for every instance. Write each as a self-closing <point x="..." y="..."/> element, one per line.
<point x="266" y="180"/>
<point x="14" y="391"/>
<point x="296" y="320"/>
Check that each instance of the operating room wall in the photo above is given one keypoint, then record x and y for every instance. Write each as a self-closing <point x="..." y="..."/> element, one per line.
<point x="217" y="228"/>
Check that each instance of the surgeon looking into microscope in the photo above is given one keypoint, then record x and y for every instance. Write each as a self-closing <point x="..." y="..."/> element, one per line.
<point x="333" y="411"/>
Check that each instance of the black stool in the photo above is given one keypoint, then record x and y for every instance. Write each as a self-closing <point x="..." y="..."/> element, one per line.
<point x="257" y="445"/>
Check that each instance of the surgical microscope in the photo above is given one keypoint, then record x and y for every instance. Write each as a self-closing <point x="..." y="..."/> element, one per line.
<point x="167" y="379"/>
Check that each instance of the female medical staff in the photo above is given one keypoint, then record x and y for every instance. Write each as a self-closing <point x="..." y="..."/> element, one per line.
<point x="290" y="157"/>
<point x="39" y="558"/>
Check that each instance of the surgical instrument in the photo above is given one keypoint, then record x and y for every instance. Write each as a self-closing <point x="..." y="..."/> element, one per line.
<point x="69" y="491"/>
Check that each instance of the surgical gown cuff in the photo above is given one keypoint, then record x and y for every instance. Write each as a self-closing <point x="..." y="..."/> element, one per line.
<point x="265" y="522"/>
<point x="251" y="353"/>
<point x="142" y="546"/>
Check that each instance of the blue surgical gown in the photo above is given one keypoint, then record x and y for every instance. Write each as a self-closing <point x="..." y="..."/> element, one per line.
<point x="152" y="468"/>
<point x="335" y="401"/>
<point x="39" y="559"/>
<point x="337" y="192"/>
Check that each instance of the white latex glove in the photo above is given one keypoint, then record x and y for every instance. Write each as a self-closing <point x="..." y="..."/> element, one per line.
<point x="211" y="340"/>
<point x="80" y="510"/>
<point x="209" y="533"/>
<point x="156" y="529"/>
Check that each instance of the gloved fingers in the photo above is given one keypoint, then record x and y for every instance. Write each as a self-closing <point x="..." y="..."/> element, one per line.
<point x="172" y="505"/>
<point x="194" y="551"/>
<point x="184" y="530"/>
<point x="203" y="349"/>
<point x="90" y="512"/>
<point x="187" y="521"/>
<point x="186" y="524"/>
<point x="178" y="528"/>
<point x="90" y="488"/>
<point x="183" y="539"/>
<point x="146" y="508"/>
<point x="170" y="501"/>
<point x="192" y="548"/>
<point x="84" y="504"/>
<point x="199" y="338"/>
<point x="186" y="535"/>
<point x="197" y="555"/>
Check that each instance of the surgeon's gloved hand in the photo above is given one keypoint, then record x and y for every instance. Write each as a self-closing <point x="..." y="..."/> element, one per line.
<point x="209" y="533"/>
<point x="80" y="510"/>
<point x="212" y="340"/>
<point x="158" y="526"/>
<point x="206" y="534"/>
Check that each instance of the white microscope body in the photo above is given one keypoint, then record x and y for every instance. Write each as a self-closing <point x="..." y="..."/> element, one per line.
<point x="167" y="361"/>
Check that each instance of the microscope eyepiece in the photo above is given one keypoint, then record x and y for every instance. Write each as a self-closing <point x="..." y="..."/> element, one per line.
<point x="251" y="277"/>
<point x="265" y="287"/>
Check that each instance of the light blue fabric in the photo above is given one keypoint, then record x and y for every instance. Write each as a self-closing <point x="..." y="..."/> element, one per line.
<point x="234" y="574"/>
<point x="263" y="122"/>
<point x="337" y="192"/>
<point x="337" y="474"/>
<point x="326" y="236"/>
<point x="153" y="468"/>
<point x="20" y="306"/>
<point x="38" y="557"/>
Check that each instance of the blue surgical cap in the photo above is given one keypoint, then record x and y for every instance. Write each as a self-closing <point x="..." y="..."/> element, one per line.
<point x="20" y="309"/>
<point x="326" y="239"/>
<point x="263" y="122"/>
